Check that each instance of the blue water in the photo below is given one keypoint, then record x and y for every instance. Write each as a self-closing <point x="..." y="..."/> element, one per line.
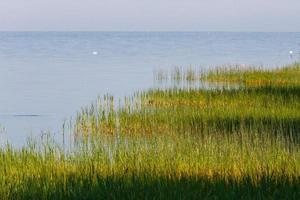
<point x="45" y="77"/>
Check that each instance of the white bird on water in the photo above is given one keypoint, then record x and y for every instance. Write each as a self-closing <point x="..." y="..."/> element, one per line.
<point x="291" y="54"/>
<point x="95" y="53"/>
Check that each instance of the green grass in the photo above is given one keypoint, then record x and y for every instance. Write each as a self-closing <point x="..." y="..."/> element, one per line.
<point x="235" y="75"/>
<point x="280" y="77"/>
<point x="267" y="109"/>
<point x="159" y="167"/>
<point x="227" y="143"/>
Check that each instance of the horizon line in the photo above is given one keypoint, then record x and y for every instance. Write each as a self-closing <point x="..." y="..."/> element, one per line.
<point x="151" y="31"/>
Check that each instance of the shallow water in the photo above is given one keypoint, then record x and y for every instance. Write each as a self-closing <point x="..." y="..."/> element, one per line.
<point x="45" y="77"/>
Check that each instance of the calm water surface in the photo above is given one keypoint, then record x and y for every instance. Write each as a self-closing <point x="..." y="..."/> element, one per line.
<point x="45" y="77"/>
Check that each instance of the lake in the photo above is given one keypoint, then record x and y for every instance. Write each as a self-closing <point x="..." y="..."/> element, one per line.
<point x="46" y="77"/>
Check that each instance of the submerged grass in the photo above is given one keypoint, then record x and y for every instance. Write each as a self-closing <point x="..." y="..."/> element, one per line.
<point x="225" y="143"/>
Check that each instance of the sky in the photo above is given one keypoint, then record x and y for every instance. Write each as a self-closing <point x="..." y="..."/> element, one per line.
<point x="150" y="15"/>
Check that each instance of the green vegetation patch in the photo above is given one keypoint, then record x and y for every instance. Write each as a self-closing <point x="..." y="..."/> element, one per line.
<point x="179" y="143"/>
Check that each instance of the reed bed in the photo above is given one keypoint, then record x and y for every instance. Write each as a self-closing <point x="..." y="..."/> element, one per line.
<point x="178" y="143"/>
<point x="159" y="167"/>
<point x="280" y="77"/>
<point x="235" y="74"/>
<point x="267" y="109"/>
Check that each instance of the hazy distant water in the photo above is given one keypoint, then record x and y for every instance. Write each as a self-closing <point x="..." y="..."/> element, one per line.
<point x="46" y="77"/>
